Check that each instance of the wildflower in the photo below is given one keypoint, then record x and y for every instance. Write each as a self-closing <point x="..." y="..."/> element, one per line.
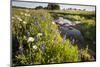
<point x="24" y="22"/>
<point x="48" y="37"/>
<point x="28" y="34"/>
<point x="43" y="47"/>
<point x="64" y="37"/>
<point x="73" y="41"/>
<point x="53" y="22"/>
<point x="32" y="30"/>
<point x="39" y="34"/>
<point x="21" y="13"/>
<point x="13" y="17"/>
<point x="33" y="17"/>
<point x="40" y="29"/>
<point x="21" y="49"/>
<point x="30" y="39"/>
<point x="19" y="18"/>
<point x="36" y="38"/>
<point x="36" y="23"/>
<point x="35" y="47"/>
<point x="27" y="14"/>
<point x="52" y="40"/>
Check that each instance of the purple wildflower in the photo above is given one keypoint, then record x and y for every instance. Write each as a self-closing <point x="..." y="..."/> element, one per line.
<point x="64" y="37"/>
<point x="36" y="23"/>
<point x="21" y="49"/>
<point x="41" y="30"/>
<point x="49" y="37"/>
<point x="28" y="34"/>
<point x="73" y="41"/>
<point x="34" y="17"/>
<point x="36" y="38"/>
<point x="32" y="30"/>
<point x="43" y="47"/>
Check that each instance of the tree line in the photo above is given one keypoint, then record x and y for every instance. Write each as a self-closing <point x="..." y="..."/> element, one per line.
<point x="50" y="6"/>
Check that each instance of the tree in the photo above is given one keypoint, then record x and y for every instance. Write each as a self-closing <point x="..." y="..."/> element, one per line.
<point x="84" y="9"/>
<point x="39" y="7"/>
<point x="53" y="6"/>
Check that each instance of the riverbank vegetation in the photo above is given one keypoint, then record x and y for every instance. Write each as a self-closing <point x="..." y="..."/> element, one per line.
<point x="87" y="25"/>
<point x="37" y="40"/>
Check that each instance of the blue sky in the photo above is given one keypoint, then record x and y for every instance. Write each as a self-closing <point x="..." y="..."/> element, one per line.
<point x="62" y="6"/>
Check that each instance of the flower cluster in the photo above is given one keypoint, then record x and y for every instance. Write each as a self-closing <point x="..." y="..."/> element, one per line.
<point x="39" y="39"/>
<point x="30" y="39"/>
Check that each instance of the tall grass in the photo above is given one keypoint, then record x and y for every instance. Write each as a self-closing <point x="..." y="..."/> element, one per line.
<point x="36" y="40"/>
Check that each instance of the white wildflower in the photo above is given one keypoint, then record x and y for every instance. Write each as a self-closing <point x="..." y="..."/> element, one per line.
<point x="24" y="22"/>
<point x="30" y="39"/>
<point x="19" y="18"/>
<point x="53" y="22"/>
<point x="39" y="34"/>
<point x="22" y="13"/>
<point x="35" y="47"/>
<point x="13" y="17"/>
<point x="27" y="14"/>
<point x="52" y="40"/>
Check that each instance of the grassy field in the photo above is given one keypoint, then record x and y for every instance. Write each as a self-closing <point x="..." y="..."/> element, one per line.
<point x="74" y="12"/>
<point x="36" y="40"/>
<point x="87" y="26"/>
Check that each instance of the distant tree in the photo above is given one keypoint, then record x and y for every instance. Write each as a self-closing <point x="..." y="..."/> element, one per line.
<point x="75" y="9"/>
<point x="69" y="8"/>
<point x="39" y="7"/>
<point x="53" y="6"/>
<point x="84" y="9"/>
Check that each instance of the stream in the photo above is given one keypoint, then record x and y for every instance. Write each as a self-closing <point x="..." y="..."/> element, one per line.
<point x="66" y="28"/>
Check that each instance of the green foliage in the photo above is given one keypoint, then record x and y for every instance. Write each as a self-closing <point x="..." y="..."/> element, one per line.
<point x="53" y="6"/>
<point x="87" y="25"/>
<point x="39" y="41"/>
<point x="85" y="54"/>
<point x="39" y="7"/>
<point x="74" y="12"/>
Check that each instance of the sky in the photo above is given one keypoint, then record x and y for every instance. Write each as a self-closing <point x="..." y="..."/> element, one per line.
<point x="62" y="6"/>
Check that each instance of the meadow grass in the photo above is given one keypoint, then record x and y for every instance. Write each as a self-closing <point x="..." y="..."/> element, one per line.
<point x="36" y="40"/>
